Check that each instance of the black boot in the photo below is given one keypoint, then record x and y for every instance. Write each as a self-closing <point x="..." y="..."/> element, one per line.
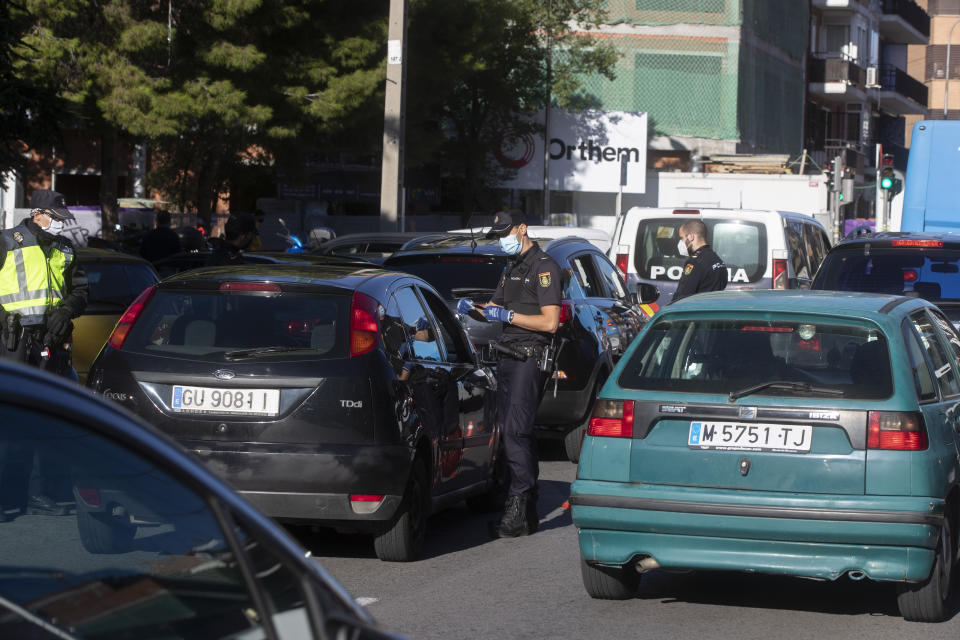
<point x="41" y="505"/>
<point x="514" y="521"/>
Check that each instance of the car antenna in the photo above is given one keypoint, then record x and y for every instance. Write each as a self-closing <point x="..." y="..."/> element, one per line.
<point x="473" y="242"/>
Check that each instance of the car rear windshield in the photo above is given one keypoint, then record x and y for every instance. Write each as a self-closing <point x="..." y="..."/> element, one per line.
<point x="455" y="276"/>
<point x="932" y="273"/>
<point x="726" y="356"/>
<point x="114" y="285"/>
<point x="742" y="245"/>
<point x="222" y="326"/>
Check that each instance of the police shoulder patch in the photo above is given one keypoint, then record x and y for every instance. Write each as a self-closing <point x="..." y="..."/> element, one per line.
<point x="687" y="269"/>
<point x="545" y="279"/>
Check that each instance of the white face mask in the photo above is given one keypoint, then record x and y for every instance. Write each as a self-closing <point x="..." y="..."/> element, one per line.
<point x="56" y="227"/>
<point x="682" y="248"/>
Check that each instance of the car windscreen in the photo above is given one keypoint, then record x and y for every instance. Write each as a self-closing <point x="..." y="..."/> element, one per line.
<point x="455" y="276"/>
<point x="932" y="273"/>
<point x="823" y="359"/>
<point x="219" y="327"/>
<point x="741" y="243"/>
<point x="114" y="285"/>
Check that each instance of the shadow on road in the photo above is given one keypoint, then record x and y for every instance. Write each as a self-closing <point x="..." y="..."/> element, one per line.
<point x="843" y="597"/>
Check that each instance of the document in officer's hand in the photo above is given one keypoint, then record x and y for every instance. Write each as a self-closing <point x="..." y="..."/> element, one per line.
<point x="477" y="314"/>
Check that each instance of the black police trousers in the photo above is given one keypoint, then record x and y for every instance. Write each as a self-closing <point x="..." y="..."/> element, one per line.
<point x="518" y="387"/>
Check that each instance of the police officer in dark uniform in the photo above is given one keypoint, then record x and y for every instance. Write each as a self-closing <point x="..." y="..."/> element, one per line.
<point x="704" y="270"/>
<point x="527" y="301"/>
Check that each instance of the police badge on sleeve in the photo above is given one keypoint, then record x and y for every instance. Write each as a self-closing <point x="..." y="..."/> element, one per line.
<point x="544" y="279"/>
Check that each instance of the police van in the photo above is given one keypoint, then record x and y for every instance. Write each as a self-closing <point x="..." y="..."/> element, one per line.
<point x="763" y="249"/>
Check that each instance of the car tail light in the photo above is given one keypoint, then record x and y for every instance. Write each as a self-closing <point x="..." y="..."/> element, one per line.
<point x="365" y="503"/>
<point x="566" y="311"/>
<point x="779" y="273"/>
<point x="898" y="430"/>
<point x="612" y="419"/>
<point x="910" y="275"/>
<point x="91" y="497"/>
<point x="122" y="330"/>
<point x="364" y="326"/>
<point x="623" y="261"/>
<point x="267" y="287"/>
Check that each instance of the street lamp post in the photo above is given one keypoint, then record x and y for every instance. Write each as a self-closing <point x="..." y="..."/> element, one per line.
<point x="946" y="84"/>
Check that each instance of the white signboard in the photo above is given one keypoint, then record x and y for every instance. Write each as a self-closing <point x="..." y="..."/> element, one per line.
<point x="588" y="152"/>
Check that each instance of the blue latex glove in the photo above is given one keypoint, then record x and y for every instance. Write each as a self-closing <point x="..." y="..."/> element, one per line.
<point x="464" y="306"/>
<point x="496" y="313"/>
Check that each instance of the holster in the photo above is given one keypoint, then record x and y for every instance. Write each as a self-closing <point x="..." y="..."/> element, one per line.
<point x="12" y="332"/>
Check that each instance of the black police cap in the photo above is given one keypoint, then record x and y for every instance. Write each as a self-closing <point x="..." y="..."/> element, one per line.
<point x="52" y="203"/>
<point x="503" y="221"/>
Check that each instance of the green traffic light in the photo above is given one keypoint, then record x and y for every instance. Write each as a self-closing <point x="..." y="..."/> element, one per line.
<point x="886" y="182"/>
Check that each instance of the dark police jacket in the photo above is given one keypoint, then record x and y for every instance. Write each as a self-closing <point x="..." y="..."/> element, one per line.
<point x="530" y="281"/>
<point x="704" y="270"/>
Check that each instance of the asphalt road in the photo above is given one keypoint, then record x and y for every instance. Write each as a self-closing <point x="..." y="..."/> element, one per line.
<point x="469" y="586"/>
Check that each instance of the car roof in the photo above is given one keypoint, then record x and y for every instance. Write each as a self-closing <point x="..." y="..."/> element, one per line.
<point x="340" y="275"/>
<point x="887" y="238"/>
<point x="88" y="254"/>
<point x="829" y="303"/>
<point x="463" y="243"/>
<point x="385" y="236"/>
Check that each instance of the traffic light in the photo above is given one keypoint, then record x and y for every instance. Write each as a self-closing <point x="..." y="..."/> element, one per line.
<point x="828" y="175"/>
<point x="846" y="187"/>
<point x="887" y="177"/>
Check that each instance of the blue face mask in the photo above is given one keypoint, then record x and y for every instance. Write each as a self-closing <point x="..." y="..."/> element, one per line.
<point x="510" y="245"/>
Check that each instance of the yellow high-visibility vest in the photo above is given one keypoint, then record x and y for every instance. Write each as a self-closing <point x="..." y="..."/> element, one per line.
<point x="31" y="282"/>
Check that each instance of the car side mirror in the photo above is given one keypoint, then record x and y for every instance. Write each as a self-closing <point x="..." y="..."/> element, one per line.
<point x="646" y="293"/>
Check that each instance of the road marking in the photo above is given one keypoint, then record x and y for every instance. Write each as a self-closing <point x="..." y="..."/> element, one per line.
<point x="363" y="602"/>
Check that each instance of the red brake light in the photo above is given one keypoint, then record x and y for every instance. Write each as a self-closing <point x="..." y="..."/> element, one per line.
<point x="686" y="212"/>
<point x="910" y="275"/>
<point x="130" y="316"/>
<point x="622" y="263"/>
<point x="917" y="243"/>
<point x="90" y="496"/>
<point x="779" y="274"/>
<point x="566" y="311"/>
<point x="612" y="419"/>
<point x="270" y="287"/>
<point x="766" y="329"/>
<point x="896" y="430"/>
<point x="364" y="325"/>
<point x="364" y="498"/>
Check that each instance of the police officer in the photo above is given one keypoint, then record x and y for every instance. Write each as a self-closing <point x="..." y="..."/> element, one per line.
<point x="42" y="287"/>
<point x="527" y="301"/>
<point x="703" y="270"/>
<point x="239" y="232"/>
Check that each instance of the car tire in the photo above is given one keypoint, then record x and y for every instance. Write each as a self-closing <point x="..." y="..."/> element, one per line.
<point x="403" y="541"/>
<point x="102" y="533"/>
<point x="928" y="601"/>
<point x="609" y="583"/>
<point x="573" y="440"/>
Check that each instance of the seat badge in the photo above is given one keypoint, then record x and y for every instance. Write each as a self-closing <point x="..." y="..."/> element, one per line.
<point x="224" y="374"/>
<point x="748" y="412"/>
<point x="672" y="408"/>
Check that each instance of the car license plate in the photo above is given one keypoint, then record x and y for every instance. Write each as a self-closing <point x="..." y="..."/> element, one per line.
<point x="243" y="401"/>
<point x="737" y="436"/>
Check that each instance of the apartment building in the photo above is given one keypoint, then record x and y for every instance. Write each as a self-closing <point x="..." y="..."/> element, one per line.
<point x="929" y="63"/>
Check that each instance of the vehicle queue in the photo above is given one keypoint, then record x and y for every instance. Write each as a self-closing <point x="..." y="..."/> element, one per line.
<point x="364" y="399"/>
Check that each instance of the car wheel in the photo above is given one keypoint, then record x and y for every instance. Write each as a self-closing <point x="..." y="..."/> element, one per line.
<point x="573" y="440"/>
<point x="609" y="583"/>
<point x="495" y="496"/>
<point x="103" y="533"/>
<point x="404" y="539"/>
<point x="928" y="601"/>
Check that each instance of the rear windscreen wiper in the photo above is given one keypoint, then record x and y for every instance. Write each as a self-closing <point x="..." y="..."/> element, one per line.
<point x="786" y="385"/>
<point x="260" y="351"/>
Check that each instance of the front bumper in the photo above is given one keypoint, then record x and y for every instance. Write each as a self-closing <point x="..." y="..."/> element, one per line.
<point x="310" y="483"/>
<point x="887" y="538"/>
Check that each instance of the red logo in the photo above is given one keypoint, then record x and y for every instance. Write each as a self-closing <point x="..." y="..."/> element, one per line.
<point x="515" y="150"/>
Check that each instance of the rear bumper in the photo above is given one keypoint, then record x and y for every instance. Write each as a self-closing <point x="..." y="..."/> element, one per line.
<point x="311" y="483"/>
<point x="887" y="538"/>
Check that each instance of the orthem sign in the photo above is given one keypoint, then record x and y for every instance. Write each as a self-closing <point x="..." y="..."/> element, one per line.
<point x="586" y="151"/>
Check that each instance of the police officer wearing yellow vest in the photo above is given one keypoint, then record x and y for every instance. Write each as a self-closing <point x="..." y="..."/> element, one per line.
<point x="41" y="287"/>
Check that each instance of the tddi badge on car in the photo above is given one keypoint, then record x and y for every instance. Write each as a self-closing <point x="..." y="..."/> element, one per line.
<point x="738" y="436"/>
<point x="186" y="399"/>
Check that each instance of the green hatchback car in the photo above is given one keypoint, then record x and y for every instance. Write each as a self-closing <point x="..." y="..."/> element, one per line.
<point x="800" y="433"/>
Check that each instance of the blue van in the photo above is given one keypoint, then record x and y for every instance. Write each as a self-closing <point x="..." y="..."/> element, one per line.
<point x="930" y="202"/>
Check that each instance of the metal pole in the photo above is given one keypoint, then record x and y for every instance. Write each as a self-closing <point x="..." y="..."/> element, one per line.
<point x="546" y="122"/>
<point x="391" y="177"/>
<point x="946" y="83"/>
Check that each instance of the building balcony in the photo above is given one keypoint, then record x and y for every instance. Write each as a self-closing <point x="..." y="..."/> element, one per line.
<point x="901" y="93"/>
<point x="841" y="6"/>
<point x="833" y="78"/>
<point x="904" y="22"/>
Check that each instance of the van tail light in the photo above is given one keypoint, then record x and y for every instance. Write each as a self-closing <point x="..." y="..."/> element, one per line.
<point x="566" y="311"/>
<point x="623" y="261"/>
<point x="612" y="419"/>
<point x="365" y="503"/>
<point x="897" y="430"/>
<point x="364" y="325"/>
<point x="779" y="273"/>
<point x="129" y="317"/>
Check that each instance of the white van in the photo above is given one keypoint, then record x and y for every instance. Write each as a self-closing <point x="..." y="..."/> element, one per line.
<point x="762" y="249"/>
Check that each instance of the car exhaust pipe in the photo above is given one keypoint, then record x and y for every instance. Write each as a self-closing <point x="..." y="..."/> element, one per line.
<point x="647" y="564"/>
<point x="857" y="575"/>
